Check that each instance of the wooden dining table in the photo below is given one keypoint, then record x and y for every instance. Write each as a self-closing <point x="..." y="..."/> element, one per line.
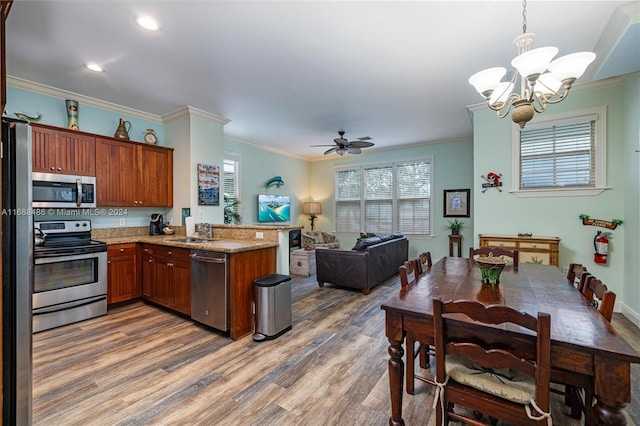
<point x="583" y="344"/>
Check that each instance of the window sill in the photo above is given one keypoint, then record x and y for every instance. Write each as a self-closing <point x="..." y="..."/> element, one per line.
<point x="536" y="193"/>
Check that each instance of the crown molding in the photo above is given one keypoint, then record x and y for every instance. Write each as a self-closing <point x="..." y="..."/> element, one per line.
<point x="266" y="148"/>
<point x="43" y="89"/>
<point x="189" y="111"/>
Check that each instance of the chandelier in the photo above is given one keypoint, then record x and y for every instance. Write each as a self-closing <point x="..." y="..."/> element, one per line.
<point x="542" y="80"/>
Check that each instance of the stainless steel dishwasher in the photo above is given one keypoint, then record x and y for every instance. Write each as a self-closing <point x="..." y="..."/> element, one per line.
<point x="210" y="288"/>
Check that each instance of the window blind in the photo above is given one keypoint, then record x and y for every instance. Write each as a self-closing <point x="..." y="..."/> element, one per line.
<point x="384" y="198"/>
<point x="558" y="156"/>
<point x="230" y="183"/>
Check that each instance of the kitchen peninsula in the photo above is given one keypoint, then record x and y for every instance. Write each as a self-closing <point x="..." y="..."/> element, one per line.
<point x="158" y="268"/>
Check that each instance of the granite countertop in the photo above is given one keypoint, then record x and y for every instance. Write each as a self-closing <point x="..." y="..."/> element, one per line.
<point x="219" y="245"/>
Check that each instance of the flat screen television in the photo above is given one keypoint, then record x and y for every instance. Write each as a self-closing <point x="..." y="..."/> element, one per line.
<point x="274" y="208"/>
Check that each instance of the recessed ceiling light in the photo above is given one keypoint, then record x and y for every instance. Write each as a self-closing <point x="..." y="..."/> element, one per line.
<point x="94" y="67"/>
<point x="148" y="23"/>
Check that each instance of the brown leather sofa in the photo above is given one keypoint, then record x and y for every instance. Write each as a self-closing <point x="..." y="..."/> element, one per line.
<point x="371" y="261"/>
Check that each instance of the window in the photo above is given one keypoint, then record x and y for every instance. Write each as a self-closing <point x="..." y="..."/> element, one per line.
<point x="231" y="180"/>
<point x="385" y="198"/>
<point x="562" y="155"/>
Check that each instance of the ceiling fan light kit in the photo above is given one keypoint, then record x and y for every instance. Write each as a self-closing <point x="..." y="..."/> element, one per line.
<point x="343" y="146"/>
<point x="543" y="80"/>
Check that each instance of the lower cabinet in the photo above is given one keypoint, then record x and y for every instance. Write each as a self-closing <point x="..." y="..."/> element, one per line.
<point x="123" y="272"/>
<point x="167" y="276"/>
<point x="162" y="275"/>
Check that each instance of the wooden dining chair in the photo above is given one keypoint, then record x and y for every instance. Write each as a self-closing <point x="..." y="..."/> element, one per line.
<point x="497" y="252"/>
<point x="504" y="381"/>
<point x="410" y="272"/>
<point x="581" y="397"/>
<point x="423" y="261"/>
<point x="599" y="296"/>
<point x="574" y="274"/>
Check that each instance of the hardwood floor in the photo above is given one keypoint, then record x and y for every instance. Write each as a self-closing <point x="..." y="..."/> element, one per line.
<point x="142" y="365"/>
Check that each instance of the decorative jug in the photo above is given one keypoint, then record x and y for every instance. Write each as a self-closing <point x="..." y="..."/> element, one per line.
<point x="122" y="132"/>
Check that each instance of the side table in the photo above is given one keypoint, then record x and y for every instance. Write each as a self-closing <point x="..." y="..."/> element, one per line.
<point x="455" y="239"/>
<point x="303" y="262"/>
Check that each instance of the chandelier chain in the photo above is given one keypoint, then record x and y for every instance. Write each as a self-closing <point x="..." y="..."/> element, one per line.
<point x="524" y="16"/>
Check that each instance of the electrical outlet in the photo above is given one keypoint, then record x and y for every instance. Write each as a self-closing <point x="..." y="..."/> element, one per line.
<point x="565" y="270"/>
<point x="259" y="235"/>
<point x="122" y="221"/>
<point x="200" y="214"/>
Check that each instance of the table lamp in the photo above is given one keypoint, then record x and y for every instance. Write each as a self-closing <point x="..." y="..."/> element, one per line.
<point x="312" y="209"/>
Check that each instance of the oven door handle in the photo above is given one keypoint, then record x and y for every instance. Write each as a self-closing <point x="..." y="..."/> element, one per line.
<point x="68" y="305"/>
<point x="79" y="194"/>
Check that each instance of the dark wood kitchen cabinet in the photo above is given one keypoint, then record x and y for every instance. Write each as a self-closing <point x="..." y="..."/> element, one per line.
<point x="166" y="281"/>
<point x="167" y="277"/>
<point x="147" y="269"/>
<point x="62" y="151"/>
<point x="123" y="273"/>
<point x="131" y="174"/>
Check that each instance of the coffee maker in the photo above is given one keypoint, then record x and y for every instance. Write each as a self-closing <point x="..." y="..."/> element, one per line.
<point x="156" y="224"/>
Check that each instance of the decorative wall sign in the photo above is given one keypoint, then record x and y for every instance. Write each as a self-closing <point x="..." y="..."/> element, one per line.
<point x="599" y="222"/>
<point x="208" y="185"/>
<point x="493" y="181"/>
<point x="456" y="202"/>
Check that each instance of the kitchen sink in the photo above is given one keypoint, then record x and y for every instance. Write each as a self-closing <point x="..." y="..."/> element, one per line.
<point x="187" y="240"/>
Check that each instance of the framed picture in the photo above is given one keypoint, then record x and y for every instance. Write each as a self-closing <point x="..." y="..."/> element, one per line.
<point x="456" y="202"/>
<point x="208" y="185"/>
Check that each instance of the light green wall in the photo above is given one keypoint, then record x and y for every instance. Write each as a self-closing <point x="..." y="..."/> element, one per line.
<point x="504" y="213"/>
<point x="257" y="166"/>
<point x="453" y="169"/>
<point x="631" y="227"/>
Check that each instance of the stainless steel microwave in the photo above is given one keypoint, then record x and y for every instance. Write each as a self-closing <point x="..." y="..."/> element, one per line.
<point x="60" y="191"/>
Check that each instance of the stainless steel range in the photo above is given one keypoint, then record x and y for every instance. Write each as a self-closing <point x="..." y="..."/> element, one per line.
<point x="70" y="274"/>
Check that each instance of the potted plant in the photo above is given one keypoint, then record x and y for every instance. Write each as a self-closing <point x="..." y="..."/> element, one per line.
<point x="230" y="213"/>
<point x="455" y="226"/>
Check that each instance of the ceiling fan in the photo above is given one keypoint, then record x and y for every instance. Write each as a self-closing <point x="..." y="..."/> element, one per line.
<point x="343" y="146"/>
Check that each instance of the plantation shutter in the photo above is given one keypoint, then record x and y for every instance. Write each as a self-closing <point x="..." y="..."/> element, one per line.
<point x="559" y="156"/>
<point x="378" y="200"/>
<point x="348" y="195"/>
<point x="230" y="182"/>
<point x="414" y="197"/>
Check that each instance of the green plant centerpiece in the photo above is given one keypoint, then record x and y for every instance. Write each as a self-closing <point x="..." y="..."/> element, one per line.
<point x="231" y="216"/>
<point x="455" y="226"/>
<point x="490" y="268"/>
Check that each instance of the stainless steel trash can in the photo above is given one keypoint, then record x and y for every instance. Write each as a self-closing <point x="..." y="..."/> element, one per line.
<point x="273" y="306"/>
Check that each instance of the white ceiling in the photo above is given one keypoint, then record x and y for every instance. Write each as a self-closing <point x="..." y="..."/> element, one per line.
<point x="291" y="74"/>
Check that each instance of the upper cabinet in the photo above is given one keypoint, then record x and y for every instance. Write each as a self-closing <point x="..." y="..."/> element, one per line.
<point x="131" y="174"/>
<point x="63" y="151"/>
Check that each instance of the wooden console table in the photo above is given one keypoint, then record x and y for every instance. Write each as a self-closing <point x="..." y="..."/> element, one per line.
<point x="543" y="250"/>
<point x="455" y="239"/>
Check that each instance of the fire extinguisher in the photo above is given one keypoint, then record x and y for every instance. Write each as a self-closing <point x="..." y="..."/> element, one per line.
<point x="601" y="245"/>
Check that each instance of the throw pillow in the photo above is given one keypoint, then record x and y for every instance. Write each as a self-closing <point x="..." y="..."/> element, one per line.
<point x="318" y="238"/>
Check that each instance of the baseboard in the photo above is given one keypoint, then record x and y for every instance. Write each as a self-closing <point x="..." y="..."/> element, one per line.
<point x="632" y="315"/>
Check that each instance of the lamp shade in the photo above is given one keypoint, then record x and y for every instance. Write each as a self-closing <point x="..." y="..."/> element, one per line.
<point x="534" y="61"/>
<point x="312" y="208"/>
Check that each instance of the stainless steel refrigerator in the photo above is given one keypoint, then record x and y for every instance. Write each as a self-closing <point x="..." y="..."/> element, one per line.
<point x="17" y="271"/>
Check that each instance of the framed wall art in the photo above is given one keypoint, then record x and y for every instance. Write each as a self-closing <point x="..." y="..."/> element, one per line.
<point x="456" y="202"/>
<point x="208" y="185"/>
